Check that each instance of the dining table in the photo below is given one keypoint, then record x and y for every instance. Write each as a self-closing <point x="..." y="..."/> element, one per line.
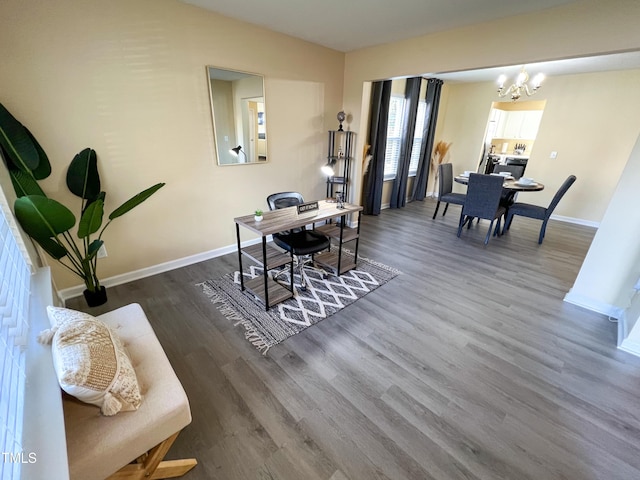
<point x="510" y="186"/>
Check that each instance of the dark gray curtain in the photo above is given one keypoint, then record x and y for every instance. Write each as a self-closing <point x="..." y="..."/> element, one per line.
<point x="432" y="98"/>
<point x="379" y="118"/>
<point x="412" y="97"/>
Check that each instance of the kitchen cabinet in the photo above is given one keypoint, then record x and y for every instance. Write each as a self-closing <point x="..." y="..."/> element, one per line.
<point x="518" y="124"/>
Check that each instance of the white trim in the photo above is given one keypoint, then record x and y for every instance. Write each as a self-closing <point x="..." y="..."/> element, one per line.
<point x="578" y="221"/>
<point x="630" y="346"/>
<point x="160" y="268"/>
<point x="594" y="305"/>
<point x="43" y="403"/>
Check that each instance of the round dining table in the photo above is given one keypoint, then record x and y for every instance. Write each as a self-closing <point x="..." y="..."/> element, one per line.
<point x="509" y="183"/>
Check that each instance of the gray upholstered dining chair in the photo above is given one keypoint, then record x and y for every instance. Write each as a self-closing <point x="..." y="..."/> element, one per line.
<point x="445" y="188"/>
<point x="483" y="202"/>
<point x="516" y="170"/>
<point x="538" y="212"/>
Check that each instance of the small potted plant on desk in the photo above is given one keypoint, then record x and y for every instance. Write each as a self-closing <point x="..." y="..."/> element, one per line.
<point x="258" y="215"/>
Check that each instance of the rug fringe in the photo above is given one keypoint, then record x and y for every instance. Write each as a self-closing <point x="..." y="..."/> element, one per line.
<point x="382" y="266"/>
<point x="230" y="313"/>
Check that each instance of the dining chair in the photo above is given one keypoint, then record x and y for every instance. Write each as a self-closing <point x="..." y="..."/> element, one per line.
<point x="516" y="170"/>
<point x="536" y="211"/>
<point x="301" y="243"/>
<point x="445" y="188"/>
<point x="483" y="202"/>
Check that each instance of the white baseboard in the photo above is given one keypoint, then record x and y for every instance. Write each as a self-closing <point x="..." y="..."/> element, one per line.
<point x="630" y="347"/>
<point x="160" y="268"/>
<point x="594" y="305"/>
<point x="577" y="221"/>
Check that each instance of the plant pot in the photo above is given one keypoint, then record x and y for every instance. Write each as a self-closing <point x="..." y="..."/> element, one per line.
<point x="257" y="218"/>
<point x="96" y="298"/>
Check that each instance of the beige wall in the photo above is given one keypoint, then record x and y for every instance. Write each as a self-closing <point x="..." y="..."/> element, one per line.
<point x="591" y="120"/>
<point x="128" y="79"/>
<point x="579" y="29"/>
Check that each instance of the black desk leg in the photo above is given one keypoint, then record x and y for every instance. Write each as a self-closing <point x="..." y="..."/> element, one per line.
<point x="343" y="218"/>
<point x="239" y="257"/>
<point x="265" y="272"/>
<point x="355" y="258"/>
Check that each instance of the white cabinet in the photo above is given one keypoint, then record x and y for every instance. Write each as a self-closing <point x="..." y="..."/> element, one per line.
<point x="518" y="124"/>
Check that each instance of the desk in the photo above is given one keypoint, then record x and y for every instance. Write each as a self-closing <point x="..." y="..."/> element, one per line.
<point x="268" y="290"/>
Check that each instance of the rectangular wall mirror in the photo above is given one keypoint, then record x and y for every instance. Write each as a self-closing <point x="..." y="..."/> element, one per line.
<point x="239" y="118"/>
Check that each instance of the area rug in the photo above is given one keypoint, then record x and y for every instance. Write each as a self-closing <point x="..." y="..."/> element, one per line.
<point x="323" y="298"/>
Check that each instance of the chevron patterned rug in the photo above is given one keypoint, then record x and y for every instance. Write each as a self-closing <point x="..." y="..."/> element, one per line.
<point x="323" y="298"/>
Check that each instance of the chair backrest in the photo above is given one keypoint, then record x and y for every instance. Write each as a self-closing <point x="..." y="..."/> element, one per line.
<point x="483" y="196"/>
<point x="559" y="194"/>
<point x="515" y="170"/>
<point x="445" y="179"/>
<point x="284" y="200"/>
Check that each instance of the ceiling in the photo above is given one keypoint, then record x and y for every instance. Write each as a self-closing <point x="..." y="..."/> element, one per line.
<point x="353" y="24"/>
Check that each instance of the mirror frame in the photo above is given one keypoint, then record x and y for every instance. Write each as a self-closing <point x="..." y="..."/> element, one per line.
<point x="238" y="116"/>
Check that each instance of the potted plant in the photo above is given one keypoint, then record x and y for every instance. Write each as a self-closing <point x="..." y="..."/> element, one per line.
<point x="47" y="221"/>
<point x="258" y="215"/>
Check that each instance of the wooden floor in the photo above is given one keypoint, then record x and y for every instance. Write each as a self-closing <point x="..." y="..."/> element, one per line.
<point x="469" y="365"/>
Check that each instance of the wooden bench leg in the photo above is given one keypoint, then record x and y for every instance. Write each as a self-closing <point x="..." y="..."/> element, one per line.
<point x="152" y="466"/>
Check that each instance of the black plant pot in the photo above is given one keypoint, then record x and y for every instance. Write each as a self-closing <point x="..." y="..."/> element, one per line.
<point x="96" y="298"/>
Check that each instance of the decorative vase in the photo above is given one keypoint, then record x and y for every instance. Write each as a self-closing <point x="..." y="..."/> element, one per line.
<point x="96" y="298"/>
<point x="257" y="218"/>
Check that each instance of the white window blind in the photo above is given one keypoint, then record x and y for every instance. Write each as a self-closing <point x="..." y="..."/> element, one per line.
<point x="417" y="138"/>
<point x="15" y="273"/>
<point x="394" y="136"/>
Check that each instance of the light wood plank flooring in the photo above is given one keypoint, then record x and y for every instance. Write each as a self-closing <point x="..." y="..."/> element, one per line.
<point x="469" y="365"/>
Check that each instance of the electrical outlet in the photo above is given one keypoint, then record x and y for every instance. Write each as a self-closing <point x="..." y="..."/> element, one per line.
<point x="553" y="155"/>
<point x="102" y="252"/>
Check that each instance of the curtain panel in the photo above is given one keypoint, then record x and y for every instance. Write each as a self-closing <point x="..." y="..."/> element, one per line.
<point x="374" y="176"/>
<point x="432" y="98"/>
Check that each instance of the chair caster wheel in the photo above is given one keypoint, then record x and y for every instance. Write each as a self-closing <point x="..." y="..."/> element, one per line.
<point x="325" y="276"/>
<point x="303" y="289"/>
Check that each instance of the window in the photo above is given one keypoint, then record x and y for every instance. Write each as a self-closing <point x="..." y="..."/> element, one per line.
<point x="417" y="139"/>
<point x="15" y="276"/>
<point x="394" y="137"/>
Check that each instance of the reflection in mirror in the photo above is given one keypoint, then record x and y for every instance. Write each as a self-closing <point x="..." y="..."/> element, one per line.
<point x="239" y="121"/>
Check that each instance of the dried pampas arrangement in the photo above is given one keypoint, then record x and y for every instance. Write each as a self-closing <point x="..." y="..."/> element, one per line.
<point x="439" y="153"/>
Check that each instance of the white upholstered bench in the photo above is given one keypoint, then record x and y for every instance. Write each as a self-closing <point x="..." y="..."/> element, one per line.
<point x="100" y="447"/>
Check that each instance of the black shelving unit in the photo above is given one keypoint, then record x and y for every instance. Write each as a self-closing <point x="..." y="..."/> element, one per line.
<point x="340" y="154"/>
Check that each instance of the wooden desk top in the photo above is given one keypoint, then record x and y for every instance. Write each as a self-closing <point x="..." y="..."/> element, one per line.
<point x="275" y="221"/>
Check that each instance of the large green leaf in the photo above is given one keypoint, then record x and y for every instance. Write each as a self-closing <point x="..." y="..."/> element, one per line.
<point x="91" y="219"/>
<point x="17" y="142"/>
<point x="82" y="176"/>
<point x="135" y="201"/>
<point x="24" y="183"/>
<point x="94" y="246"/>
<point x="43" y="217"/>
<point x="52" y="247"/>
<point x="44" y="167"/>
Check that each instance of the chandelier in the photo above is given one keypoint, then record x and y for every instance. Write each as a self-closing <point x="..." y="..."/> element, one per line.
<point x="521" y="86"/>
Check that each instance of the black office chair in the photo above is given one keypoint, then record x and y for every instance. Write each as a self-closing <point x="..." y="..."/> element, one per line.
<point x="538" y="212"/>
<point x="516" y="170"/>
<point x="445" y="187"/>
<point x="483" y="201"/>
<point x="301" y="243"/>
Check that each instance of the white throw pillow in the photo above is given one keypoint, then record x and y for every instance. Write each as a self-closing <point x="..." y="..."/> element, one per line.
<point x="90" y="361"/>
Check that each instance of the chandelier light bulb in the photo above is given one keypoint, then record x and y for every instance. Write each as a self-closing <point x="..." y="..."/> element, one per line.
<point x="520" y="87"/>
